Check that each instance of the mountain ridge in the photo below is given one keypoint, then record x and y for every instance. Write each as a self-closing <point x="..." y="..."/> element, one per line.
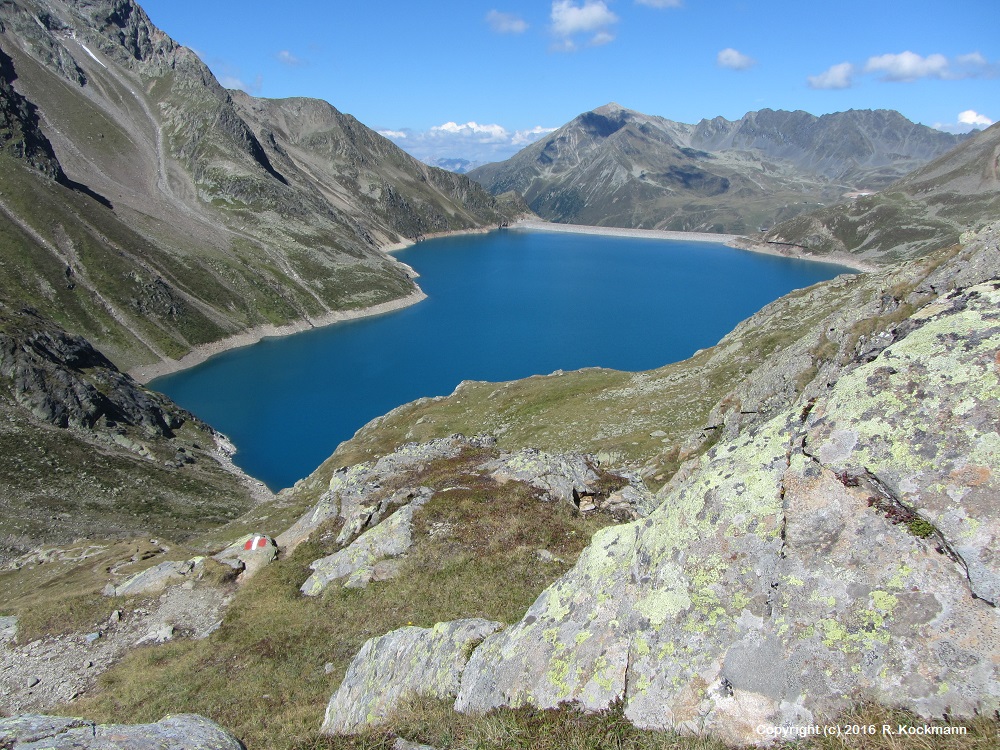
<point x="927" y="209"/>
<point x="617" y="167"/>
<point x="210" y="220"/>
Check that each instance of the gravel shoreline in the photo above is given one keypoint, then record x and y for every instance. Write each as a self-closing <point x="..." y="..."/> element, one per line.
<point x="651" y="234"/>
<point x="202" y="352"/>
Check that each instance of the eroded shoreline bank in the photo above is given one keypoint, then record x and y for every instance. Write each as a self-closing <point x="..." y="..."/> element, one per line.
<point x="200" y="353"/>
<point x="650" y="234"/>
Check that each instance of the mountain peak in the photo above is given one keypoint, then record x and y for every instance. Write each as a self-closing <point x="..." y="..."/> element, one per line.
<point x="611" y="108"/>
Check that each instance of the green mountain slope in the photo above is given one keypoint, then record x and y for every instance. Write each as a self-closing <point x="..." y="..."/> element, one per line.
<point x="85" y="452"/>
<point x="927" y="209"/>
<point x="187" y="213"/>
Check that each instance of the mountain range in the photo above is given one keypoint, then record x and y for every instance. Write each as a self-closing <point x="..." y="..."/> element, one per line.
<point x="929" y="208"/>
<point x="617" y="167"/>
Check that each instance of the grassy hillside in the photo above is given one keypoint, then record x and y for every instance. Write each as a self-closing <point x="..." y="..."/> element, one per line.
<point x="926" y="210"/>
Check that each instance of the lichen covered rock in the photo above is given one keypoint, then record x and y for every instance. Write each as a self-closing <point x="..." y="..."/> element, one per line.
<point x="407" y="661"/>
<point x="564" y="477"/>
<point x="157" y="577"/>
<point x="178" y="732"/>
<point x="355" y="493"/>
<point x="358" y="563"/>
<point x="841" y="549"/>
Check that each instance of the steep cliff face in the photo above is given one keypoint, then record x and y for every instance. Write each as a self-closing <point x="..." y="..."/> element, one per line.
<point x="181" y="211"/>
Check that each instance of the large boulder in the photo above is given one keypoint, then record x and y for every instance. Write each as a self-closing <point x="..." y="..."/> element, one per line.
<point x="358" y="563"/>
<point x="249" y="554"/>
<point x="158" y="577"/>
<point x="844" y="548"/>
<point x="179" y="732"/>
<point x="564" y="477"/>
<point x="408" y="661"/>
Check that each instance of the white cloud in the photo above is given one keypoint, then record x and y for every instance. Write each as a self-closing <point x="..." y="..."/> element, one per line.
<point x="967" y="120"/>
<point x="477" y="142"/>
<point x="593" y="17"/>
<point x="971" y="117"/>
<point x="235" y="82"/>
<point x="660" y="3"/>
<point x="836" y="77"/>
<point x="973" y="58"/>
<point x="482" y="133"/>
<point x="734" y="59"/>
<point x="524" y="137"/>
<point x="908" y="66"/>
<point x="602" y="37"/>
<point x="506" y="23"/>
<point x="288" y="58"/>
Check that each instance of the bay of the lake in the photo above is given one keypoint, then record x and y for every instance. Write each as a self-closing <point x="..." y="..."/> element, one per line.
<point x="500" y="306"/>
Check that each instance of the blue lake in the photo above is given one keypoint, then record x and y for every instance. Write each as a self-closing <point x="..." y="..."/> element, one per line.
<point x="500" y="306"/>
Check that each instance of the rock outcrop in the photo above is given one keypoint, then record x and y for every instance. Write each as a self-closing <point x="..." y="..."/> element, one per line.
<point x="405" y="662"/>
<point x="158" y="577"/>
<point x="838" y="550"/>
<point x="63" y="380"/>
<point x="178" y="732"/>
<point x="376" y="502"/>
<point x="356" y="492"/>
<point x="369" y="556"/>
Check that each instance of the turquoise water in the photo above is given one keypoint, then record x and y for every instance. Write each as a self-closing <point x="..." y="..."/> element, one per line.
<point x="500" y="306"/>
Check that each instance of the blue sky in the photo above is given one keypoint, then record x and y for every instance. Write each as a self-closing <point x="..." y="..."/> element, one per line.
<point x="480" y="80"/>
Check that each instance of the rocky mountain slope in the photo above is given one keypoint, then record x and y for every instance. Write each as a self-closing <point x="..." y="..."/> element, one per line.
<point x="925" y="210"/>
<point x="151" y="210"/>
<point x="617" y="167"/>
<point x="85" y="451"/>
